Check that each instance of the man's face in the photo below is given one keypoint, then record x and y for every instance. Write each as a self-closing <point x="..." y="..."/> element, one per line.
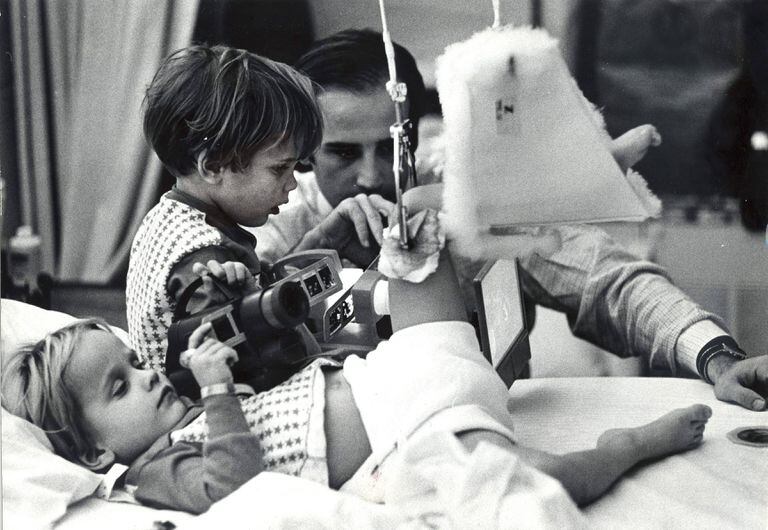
<point x="356" y="153"/>
<point x="123" y="406"/>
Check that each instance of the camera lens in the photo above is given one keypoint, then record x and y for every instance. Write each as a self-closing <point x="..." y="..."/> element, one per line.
<point x="285" y="304"/>
<point x="293" y="300"/>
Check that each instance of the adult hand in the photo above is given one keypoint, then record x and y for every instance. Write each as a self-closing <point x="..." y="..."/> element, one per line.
<point x="208" y="358"/>
<point x="354" y="228"/>
<point x="742" y="382"/>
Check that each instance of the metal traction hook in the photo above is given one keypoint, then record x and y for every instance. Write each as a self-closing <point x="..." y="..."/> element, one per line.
<point x="403" y="163"/>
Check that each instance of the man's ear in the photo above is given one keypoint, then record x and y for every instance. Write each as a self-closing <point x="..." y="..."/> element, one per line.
<point x="206" y="173"/>
<point x="97" y="459"/>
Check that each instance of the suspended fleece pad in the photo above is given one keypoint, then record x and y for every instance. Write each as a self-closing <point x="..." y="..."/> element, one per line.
<point x="523" y="146"/>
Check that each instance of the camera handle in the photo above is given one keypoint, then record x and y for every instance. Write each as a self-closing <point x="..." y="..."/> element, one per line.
<point x="181" y="306"/>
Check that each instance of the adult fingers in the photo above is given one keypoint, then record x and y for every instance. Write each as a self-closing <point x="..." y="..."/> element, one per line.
<point x="381" y="204"/>
<point x="353" y="211"/>
<point x="746" y="397"/>
<point x="372" y="216"/>
<point x="330" y="233"/>
<point x="753" y="372"/>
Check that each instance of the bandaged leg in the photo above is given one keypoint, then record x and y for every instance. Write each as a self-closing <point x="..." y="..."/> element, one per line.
<point x="429" y="372"/>
<point x="408" y="383"/>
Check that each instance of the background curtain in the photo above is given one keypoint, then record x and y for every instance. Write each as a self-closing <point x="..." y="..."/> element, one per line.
<point x="671" y="63"/>
<point x="86" y="174"/>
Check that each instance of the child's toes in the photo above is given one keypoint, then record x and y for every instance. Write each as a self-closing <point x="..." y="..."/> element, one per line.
<point x="647" y="135"/>
<point x="699" y="413"/>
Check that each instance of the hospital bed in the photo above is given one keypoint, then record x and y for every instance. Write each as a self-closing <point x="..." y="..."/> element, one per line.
<point x="718" y="485"/>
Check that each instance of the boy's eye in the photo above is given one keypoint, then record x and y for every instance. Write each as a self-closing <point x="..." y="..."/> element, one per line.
<point x="279" y="170"/>
<point x="119" y="387"/>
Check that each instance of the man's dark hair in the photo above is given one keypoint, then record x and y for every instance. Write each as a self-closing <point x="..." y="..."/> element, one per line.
<point x="354" y="60"/>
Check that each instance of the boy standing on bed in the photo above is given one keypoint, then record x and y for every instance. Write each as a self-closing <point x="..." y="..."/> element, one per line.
<point x="230" y="126"/>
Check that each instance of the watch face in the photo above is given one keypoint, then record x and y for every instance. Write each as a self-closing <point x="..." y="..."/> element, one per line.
<point x="755" y="436"/>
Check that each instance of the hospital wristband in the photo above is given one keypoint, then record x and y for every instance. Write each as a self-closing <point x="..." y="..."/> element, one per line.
<point x="217" y="390"/>
<point x="722" y="345"/>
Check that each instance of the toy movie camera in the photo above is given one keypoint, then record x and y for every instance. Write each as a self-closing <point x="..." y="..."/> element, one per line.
<point x="266" y="327"/>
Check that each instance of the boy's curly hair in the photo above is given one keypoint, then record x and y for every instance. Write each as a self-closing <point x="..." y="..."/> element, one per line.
<point x="33" y="387"/>
<point x="227" y="104"/>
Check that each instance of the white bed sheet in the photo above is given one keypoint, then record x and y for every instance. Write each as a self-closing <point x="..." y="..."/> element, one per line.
<point x="437" y="483"/>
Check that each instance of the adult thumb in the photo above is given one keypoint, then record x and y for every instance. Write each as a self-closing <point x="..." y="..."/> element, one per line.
<point x="747" y="398"/>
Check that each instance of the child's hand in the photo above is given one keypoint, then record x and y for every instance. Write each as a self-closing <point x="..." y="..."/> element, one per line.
<point x="208" y="358"/>
<point x="234" y="273"/>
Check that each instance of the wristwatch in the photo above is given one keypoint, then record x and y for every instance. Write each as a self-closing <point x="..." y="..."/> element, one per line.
<point x="722" y="345"/>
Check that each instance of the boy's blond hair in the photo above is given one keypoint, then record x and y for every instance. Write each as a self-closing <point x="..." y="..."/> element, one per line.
<point x="34" y="387"/>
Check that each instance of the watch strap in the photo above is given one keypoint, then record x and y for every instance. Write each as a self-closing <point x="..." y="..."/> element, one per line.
<point x="722" y="345"/>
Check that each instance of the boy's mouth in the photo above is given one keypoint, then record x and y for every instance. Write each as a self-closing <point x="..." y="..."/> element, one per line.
<point x="276" y="208"/>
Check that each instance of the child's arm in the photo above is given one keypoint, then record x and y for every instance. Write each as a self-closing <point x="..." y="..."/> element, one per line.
<point x="191" y="476"/>
<point x="190" y="268"/>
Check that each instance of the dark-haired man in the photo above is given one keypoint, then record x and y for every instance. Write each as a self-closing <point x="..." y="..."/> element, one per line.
<point x="621" y="303"/>
<point x="340" y="203"/>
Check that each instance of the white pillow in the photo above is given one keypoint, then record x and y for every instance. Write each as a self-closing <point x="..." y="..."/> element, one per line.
<point x="24" y="323"/>
<point x="37" y="484"/>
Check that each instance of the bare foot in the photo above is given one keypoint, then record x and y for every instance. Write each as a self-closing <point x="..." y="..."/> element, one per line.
<point x="676" y="431"/>
<point x="629" y="148"/>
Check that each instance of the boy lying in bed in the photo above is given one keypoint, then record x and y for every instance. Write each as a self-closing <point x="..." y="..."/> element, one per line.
<point x="346" y="424"/>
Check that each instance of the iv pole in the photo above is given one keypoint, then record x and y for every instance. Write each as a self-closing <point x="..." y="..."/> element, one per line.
<point x="403" y="164"/>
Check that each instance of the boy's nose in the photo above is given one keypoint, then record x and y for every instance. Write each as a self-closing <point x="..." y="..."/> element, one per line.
<point x="151" y="379"/>
<point x="291" y="183"/>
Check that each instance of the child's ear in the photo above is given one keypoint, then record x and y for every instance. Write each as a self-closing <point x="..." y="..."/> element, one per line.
<point x="97" y="459"/>
<point x="206" y="173"/>
<point x="305" y="165"/>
